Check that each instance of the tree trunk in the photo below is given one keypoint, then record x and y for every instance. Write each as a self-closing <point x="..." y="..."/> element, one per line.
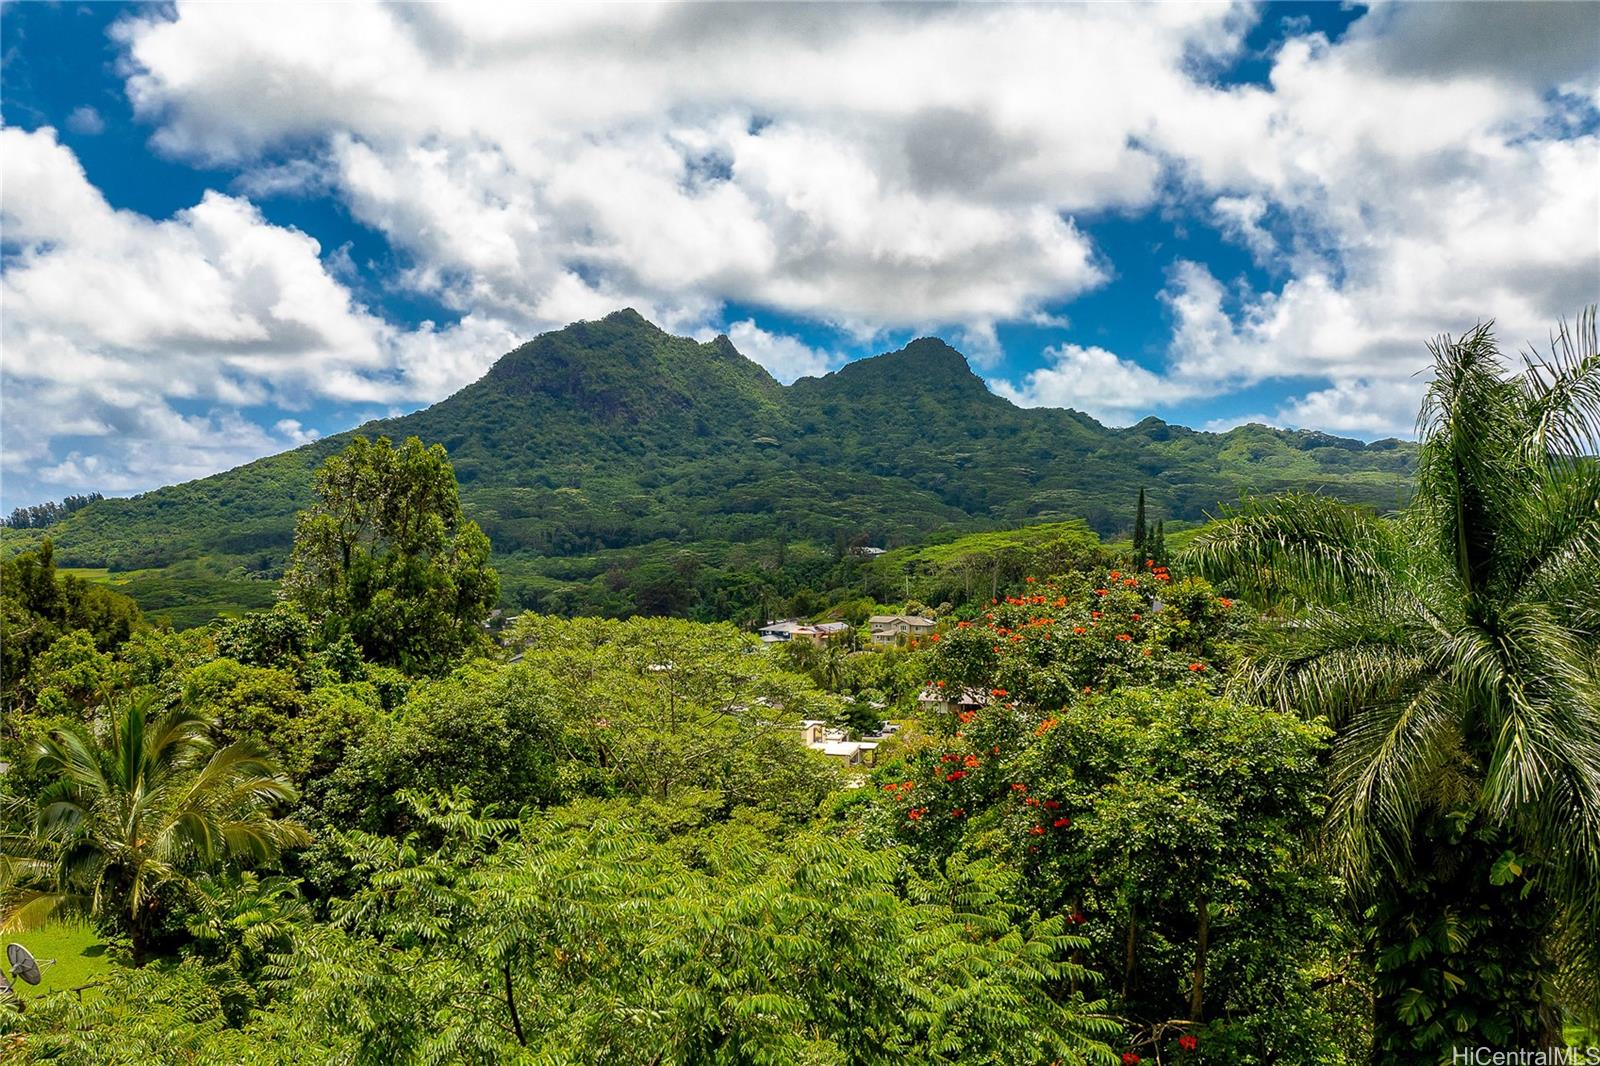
<point x="1132" y="954"/>
<point x="511" y="1004"/>
<point x="139" y="936"/>
<point x="1197" y="991"/>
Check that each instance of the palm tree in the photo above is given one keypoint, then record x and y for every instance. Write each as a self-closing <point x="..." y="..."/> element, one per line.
<point x="1454" y="647"/>
<point x="133" y="809"/>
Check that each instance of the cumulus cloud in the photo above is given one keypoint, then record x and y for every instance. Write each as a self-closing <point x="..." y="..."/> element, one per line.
<point x="148" y="336"/>
<point x="1416" y="200"/>
<point x="786" y="358"/>
<point x="906" y="168"/>
<point x="86" y="120"/>
<point x="1114" y="390"/>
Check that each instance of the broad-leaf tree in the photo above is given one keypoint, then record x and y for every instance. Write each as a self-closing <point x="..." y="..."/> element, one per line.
<point x="1454" y="648"/>
<point x="386" y="556"/>
<point x="133" y="811"/>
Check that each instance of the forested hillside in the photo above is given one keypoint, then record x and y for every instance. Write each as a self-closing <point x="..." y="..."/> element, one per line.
<point x="1316" y="787"/>
<point x="618" y="469"/>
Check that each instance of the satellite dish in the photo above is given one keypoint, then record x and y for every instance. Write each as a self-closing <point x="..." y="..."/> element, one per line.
<point x="23" y="965"/>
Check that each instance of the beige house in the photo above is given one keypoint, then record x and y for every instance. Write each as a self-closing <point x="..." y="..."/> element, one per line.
<point x="895" y="628"/>
<point x="952" y="700"/>
<point x="817" y="736"/>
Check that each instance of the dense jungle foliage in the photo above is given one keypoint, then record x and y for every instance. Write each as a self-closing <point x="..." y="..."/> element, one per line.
<point x="619" y="470"/>
<point x="1321" y="787"/>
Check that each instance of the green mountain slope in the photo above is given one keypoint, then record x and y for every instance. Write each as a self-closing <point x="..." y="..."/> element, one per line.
<point x="606" y="442"/>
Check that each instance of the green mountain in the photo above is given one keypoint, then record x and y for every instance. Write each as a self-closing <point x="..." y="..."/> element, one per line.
<point x="608" y="446"/>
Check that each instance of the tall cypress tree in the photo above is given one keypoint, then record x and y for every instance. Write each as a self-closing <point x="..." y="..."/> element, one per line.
<point x="1157" y="545"/>
<point x="1139" y="529"/>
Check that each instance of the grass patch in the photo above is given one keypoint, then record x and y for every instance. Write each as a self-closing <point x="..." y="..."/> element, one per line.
<point x="82" y="958"/>
<point x="88" y="573"/>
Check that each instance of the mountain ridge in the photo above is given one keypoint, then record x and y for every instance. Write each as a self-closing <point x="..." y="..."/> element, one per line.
<point x="612" y="436"/>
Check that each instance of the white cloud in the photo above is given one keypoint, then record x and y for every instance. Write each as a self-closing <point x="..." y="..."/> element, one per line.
<point x="1420" y="199"/>
<point x="1114" y="390"/>
<point x="291" y="429"/>
<point x="786" y="358"/>
<point x="1241" y="218"/>
<point x="115" y="325"/>
<point x="86" y="120"/>
<point x="893" y="168"/>
<point x="917" y="168"/>
<point x="901" y="168"/>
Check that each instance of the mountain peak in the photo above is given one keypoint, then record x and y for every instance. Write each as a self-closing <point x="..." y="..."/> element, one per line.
<point x="926" y="363"/>
<point x="587" y="449"/>
<point x="627" y="316"/>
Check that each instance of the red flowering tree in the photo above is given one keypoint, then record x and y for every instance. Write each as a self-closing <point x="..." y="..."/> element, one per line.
<point x="1104" y="630"/>
<point x="1072" y="727"/>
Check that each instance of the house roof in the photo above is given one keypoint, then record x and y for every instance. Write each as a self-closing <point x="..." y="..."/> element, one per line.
<point x="908" y="619"/>
<point x="974" y="696"/>
<point x="795" y="628"/>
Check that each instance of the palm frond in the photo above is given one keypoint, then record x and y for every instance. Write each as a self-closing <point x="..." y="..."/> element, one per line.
<point x="1563" y="393"/>
<point x="1333" y="664"/>
<point x="1303" y="547"/>
<point x="1385" y="769"/>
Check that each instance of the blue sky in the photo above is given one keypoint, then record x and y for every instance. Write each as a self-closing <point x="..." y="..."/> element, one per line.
<point x="230" y="229"/>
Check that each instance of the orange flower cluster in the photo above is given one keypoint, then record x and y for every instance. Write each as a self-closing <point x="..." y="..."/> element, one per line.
<point x="1044" y="727"/>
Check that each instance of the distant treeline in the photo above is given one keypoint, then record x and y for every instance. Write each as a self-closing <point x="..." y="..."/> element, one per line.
<point x="45" y="515"/>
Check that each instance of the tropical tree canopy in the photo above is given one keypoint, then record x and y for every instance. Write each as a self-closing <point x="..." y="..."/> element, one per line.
<point x="385" y="555"/>
<point x="1455" y="646"/>
<point x="134" y="809"/>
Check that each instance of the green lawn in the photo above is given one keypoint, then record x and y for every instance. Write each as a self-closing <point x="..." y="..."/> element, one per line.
<point x="80" y="956"/>
<point x="89" y="573"/>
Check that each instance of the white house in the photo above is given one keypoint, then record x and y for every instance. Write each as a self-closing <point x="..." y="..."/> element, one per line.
<point x="781" y="632"/>
<point x="816" y="735"/>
